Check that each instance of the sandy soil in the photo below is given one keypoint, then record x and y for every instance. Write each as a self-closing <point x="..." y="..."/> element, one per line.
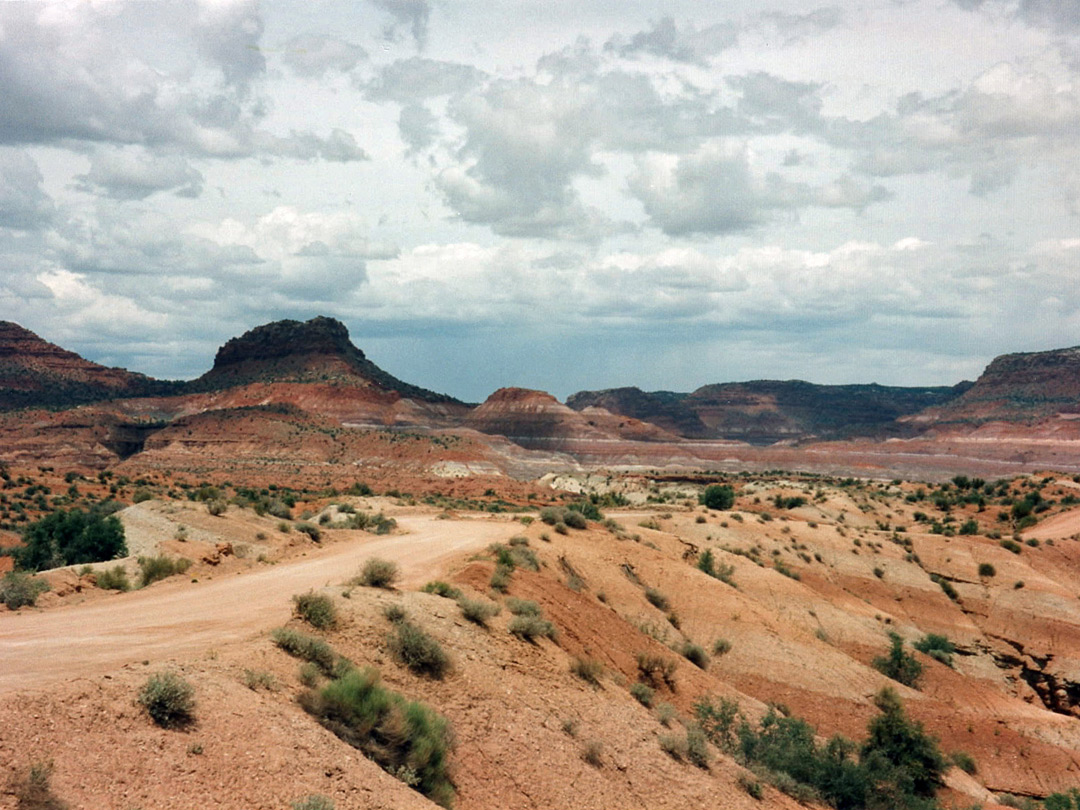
<point x="174" y="619"/>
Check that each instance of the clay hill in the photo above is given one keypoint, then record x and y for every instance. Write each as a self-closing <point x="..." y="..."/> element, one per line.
<point x="768" y="411"/>
<point x="36" y="373"/>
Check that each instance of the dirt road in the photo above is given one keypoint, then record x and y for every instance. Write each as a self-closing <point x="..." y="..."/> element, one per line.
<point x="176" y="619"/>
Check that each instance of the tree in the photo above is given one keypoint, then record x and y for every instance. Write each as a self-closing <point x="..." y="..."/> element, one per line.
<point x="903" y="763"/>
<point x="718" y="496"/>
<point x="899" y="665"/>
<point x="70" y="538"/>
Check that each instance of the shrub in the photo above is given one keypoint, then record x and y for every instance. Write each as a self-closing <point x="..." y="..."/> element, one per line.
<point x="415" y="649"/>
<point x="443" y="589"/>
<point x="477" y="611"/>
<point x="310" y="529"/>
<point x="113" y="579"/>
<point x="500" y="578"/>
<point x="34" y="790"/>
<point x="937" y="647"/>
<point x="591" y="752"/>
<point x="1011" y="545"/>
<point x="657" y="599"/>
<point x="308" y="648"/>
<point x="589" y="670"/>
<point x="405" y="738"/>
<point x="721" y="647"/>
<point x="18" y="589"/>
<point x="898" y="751"/>
<point x="966" y="763"/>
<point x="899" y="665"/>
<point x="561" y="528"/>
<point x="255" y="680"/>
<point x="946" y="586"/>
<point x="656" y="669"/>
<point x="575" y="520"/>
<point x="717" y="721"/>
<point x="530" y="627"/>
<point x="70" y="537"/>
<point x="695" y="654"/>
<point x="308" y="674"/>
<point x="718" y="496"/>
<point x="377" y="573"/>
<point x="168" y="699"/>
<point x="751" y="786"/>
<point x="643" y="694"/>
<point x="673" y="745"/>
<point x="697" y="746"/>
<point x="215" y="507"/>
<point x="317" y="609"/>
<point x="152" y="569"/>
<point x="313" y="802"/>
<point x="666" y="714"/>
<point x="987" y="570"/>
<point x="394" y="613"/>
<point x="523" y="607"/>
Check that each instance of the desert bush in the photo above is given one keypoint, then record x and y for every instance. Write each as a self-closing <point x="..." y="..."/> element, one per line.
<point x="406" y="739"/>
<point x="674" y="745"/>
<point x="258" y="679"/>
<point x="657" y="599"/>
<point x="317" y="609"/>
<point x="216" y="507"/>
<point x="19" y="589"/>
<point x="522" y="607"/>
<point x="575" y="520"/>
<point x="656" y="669"/>
<point x="643" y="694"/>
<point x="313" y="802"/>
<point x="394" y="613"/>
<point x="310" y="529"/>
<point x="443" y="589"/>
<point x="987" y="570"/>
<point x="561" y="528"/>
<point x="550" y="515"/>
<point x="412" y="647"/>
<point x="1011" y="545"/>
<point x="33" y="790"/>
<point x="500" y="578"/>
<point x="152" y="569"/>
<point x="937" y="647"/>
<point x="308" y="648"/>
<point x="717" y="721"/>
<point x="592" y="753"/>
<point x="721" y="647"/>
<point x="964" y="762"/>
<point x="695" y="654"/>
<point x="899" y="665"/>
<point x="377" y="573"/>
<point x="168" y="699"/>
<point x="751" y="786"/>
<point x="946" y="586"/>
<point x="113" y="579"/>
<point x="531" y="627"/>
<point x="309" y="674"/>
<point x="718" y="496"/>
<point x="477" y="611"/>
<point x="588" y="669"/>
<point x="697" y="746"/>
<point x="666" y="714"/>
<point x="518" y="540"/>
<point x="71" y="537"/>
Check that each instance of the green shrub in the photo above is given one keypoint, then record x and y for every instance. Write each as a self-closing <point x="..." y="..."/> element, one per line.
<point x="899" y="665"/>
<point x="152" y="569"/>
<point x="18" y="589"/>
<point x="523" y="607"/>
<point x="561" y="528"/>
<point x="666" y="714"/>
<point x="721" y="647"/>
<point x="695" y="654"/>
<point x="477" y="611"/>
<point x="674" y="745"/>
<point x="588" y="669"/>
<point x="575" y="520"/>
<point x="592" y="753"/>
<point x="313" y="802"/>
<point x="142" y="495"/>
<point x="1058" y="801"/>
<point x="310" y="529"/>
<point x="946" y="586"/>
<point x="443" y="589"/>
<point x="751" y="786"/>
<point x="937" y="647"/>
<point x="70" y="537"/>
<point x="377" y="573"/>
<point x="309" y="674"/>
<point x="717" y="721"/>
<point x="987" y="570"/>
<point x="308" y="648"/>
<point x="168" y="699"/>
<point x="216" y="507"/>
<point x="394" y="613"/>
<point x="718" y="496"/>
<point x="657" y="599"/>
<point x="415" y="649"/>
<point x="1011" y="545"/>
<point x="500" y="578"/>
<point x="317" y="609"/>
<point x="697" y="746"/>
<point x="531" y="627"/>
<point x="255" y="680"/>
<point x="966" y="763"/>
<point x="405" y="738"/>
<point x="34" y="790"/>
<point x="643" y="694"/>
<point x="113" y="579"/>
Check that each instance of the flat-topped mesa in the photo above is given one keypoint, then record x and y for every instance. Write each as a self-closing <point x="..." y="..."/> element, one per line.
<point x="314" y="351"/>
<point x="36" y="373"/>
<point x="1023" y="387"/>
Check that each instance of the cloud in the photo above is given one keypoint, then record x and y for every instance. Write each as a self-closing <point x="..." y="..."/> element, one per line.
<point x="132" y="173"/>
<point x="417" y="78"/>
<point x="24" y="204"/>
<point x="411" y="14"/>
<point x="313" y="56"/>
<point x="417" y="126"/>
<point x="665" y="40"/>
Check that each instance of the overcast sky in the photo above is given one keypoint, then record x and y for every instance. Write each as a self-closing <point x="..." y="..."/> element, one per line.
<point x="557" y="195"/>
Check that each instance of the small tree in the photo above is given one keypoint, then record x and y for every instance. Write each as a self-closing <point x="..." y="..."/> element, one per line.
<point x="718" y="496"/>
<point x="899" y="665"/>
<point x="900" y="758"/>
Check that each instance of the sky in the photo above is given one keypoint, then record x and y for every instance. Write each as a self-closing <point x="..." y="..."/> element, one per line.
<point x="556" y="195"/>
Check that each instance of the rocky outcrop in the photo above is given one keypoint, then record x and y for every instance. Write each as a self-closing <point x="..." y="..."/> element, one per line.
<point x="1023" y="388"/>
<point x="768" y="411"/>
<point x="35" y="373"/>
<point x="317" y="351"/>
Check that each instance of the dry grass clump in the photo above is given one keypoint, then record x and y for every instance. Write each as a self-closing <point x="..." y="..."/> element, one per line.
<point x="168" y="699"/>
<point x="377" y="573"/>
<point x="317" y="609"/>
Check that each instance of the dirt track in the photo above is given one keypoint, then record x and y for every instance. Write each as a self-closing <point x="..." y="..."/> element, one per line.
<point x="177" y="618"/>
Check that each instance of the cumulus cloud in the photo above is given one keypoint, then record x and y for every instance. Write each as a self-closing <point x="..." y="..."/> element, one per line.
<point x="411" y="14"/>
<point x="313" y="56"/>
<point x="417" y="78"/>
<point x="666" y="40"/>
<point x="23" y="201"/>
<point x="133" y="173"/>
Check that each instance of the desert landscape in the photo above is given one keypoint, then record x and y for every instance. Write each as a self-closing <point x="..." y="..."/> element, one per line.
<point x="590" y="606"/>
